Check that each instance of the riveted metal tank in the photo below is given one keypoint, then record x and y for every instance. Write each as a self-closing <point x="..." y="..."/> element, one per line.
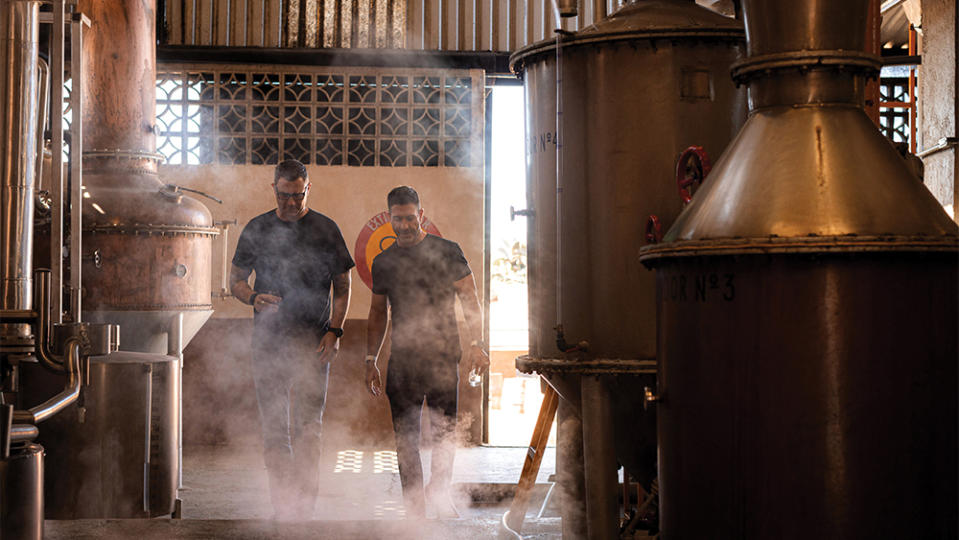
<point x="807" y="311"/>
<point x="608" y="111"/>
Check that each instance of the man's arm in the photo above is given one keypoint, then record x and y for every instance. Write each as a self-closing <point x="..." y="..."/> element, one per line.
<point x="466" y="291"/>
<point x="330" y="344"/>
<point x="239" y="283"/>
<point x="375" y="334"/>
<point x="240" y="287"/>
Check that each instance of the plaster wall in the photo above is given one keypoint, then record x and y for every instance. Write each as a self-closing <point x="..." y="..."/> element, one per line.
<point x="452" y="198"/>
<point x="937" y="101"/>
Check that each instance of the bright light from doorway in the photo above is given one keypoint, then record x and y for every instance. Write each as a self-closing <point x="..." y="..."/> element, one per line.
<point x="514" y="398"/>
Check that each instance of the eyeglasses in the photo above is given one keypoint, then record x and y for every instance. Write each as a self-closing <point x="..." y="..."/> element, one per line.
<point x="287" y="196"/>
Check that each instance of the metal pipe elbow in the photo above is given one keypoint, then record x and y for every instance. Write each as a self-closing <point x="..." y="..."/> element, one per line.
<point x="60" y="401"/>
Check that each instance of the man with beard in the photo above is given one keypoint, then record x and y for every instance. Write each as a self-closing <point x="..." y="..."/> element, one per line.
<point x="418" y="278"/>
<point x="298" y="255"/>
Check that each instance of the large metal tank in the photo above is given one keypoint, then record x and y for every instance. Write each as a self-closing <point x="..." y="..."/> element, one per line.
<point x="637" y="89"/>
<point x="114" y="455"/>
<point x="609" y="110"/>
<point x="21" y="492"/>
<point x="807" y="312"/>
<point x="154" y="243"/>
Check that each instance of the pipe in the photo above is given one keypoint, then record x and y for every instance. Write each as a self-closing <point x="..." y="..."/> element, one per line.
<point x="43" y="111"/>
<point x="599" y="10"/>
<point x="18" y="118"/>
<point x="23" y="432"/>
<point x="77" y="99"/>
<point x="56" y="172"/>
<point x="570" y="476"/>
<point x="602" y="500"/>
<point x="175" y="348"/>
<point x="60" y="401"/>
<point x="567" y="8"/>
<point x="944" y="143"/>
<point x="41" y="299"/>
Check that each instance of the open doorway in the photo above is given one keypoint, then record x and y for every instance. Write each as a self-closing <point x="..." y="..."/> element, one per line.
<point x="514" y="397"/>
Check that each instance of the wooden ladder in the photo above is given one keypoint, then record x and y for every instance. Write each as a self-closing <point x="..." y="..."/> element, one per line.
<point x="534" y="456"/>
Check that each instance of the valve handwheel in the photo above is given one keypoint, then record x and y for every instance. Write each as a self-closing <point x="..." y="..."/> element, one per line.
<point x="691" y="170"/>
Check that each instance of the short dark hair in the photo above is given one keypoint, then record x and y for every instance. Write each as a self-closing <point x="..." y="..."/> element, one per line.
<point x="290" y="170"/>
<point x="402" y="195"/>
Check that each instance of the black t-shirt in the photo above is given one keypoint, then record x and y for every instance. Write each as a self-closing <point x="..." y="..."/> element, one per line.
<point x="297" y="261"/>
<point x="418" y="281"/>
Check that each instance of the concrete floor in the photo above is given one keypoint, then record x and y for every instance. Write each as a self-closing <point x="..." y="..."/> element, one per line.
<point x="224" y="496"/>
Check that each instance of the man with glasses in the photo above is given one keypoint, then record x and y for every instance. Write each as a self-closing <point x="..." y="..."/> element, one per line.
<point x="298" y="255"/>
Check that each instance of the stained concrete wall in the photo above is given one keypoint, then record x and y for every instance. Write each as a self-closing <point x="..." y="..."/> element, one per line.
<point x="937" y="101"/>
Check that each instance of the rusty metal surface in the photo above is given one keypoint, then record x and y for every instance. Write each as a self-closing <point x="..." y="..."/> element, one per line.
<point x="808" y="396"/>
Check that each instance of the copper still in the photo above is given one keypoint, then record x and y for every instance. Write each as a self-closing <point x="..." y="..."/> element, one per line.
<point x="146" y="266"/>
<point x="609" y="110"/>
<point x="807" y="311"/>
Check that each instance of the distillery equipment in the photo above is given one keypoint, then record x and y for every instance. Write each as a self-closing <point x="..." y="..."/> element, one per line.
<point x="609" y="109"/>
<point x="144" y="254"/>
<point x="33" y="333"/>
<point x="807" y="311"/>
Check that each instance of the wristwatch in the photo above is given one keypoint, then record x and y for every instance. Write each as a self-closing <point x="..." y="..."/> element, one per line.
<point x="252" y="298"/>
<point x="338" y="332"/>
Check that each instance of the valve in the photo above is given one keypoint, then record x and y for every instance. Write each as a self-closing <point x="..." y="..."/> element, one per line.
<point x="654" y="230"/>
<point x="692" y="168"/>
<point x="514" y="212"/>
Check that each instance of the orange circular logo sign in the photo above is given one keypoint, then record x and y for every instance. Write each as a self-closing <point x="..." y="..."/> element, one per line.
<point x="375" y="236"/>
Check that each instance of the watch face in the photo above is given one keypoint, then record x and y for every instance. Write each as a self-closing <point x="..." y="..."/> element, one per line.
<point x="338" y="332"/>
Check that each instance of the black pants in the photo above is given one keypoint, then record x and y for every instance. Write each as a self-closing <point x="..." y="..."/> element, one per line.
<point x="411" y="378"/>
<point x="291" y="387"/>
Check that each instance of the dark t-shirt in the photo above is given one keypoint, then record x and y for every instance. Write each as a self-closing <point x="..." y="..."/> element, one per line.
<point x="418" y="281"/>
<point x="297" y="261"/>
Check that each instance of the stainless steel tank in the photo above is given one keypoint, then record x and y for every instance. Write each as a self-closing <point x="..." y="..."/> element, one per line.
<point x="609" y="110"/>
<point x="807" y="312"/>
<point x="21" y="493"/>
<point x="637" y="89"/>
<point x="115" y="454"/>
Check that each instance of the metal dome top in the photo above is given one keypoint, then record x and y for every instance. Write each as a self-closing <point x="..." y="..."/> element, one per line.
<point x="645" y="19"/>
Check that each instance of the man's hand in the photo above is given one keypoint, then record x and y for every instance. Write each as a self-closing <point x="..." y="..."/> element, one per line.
<point x="329" y="346"/>
<point x="373" y="383"/>
<point x="479" y="360"/>
<point x="267" y="303"/>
